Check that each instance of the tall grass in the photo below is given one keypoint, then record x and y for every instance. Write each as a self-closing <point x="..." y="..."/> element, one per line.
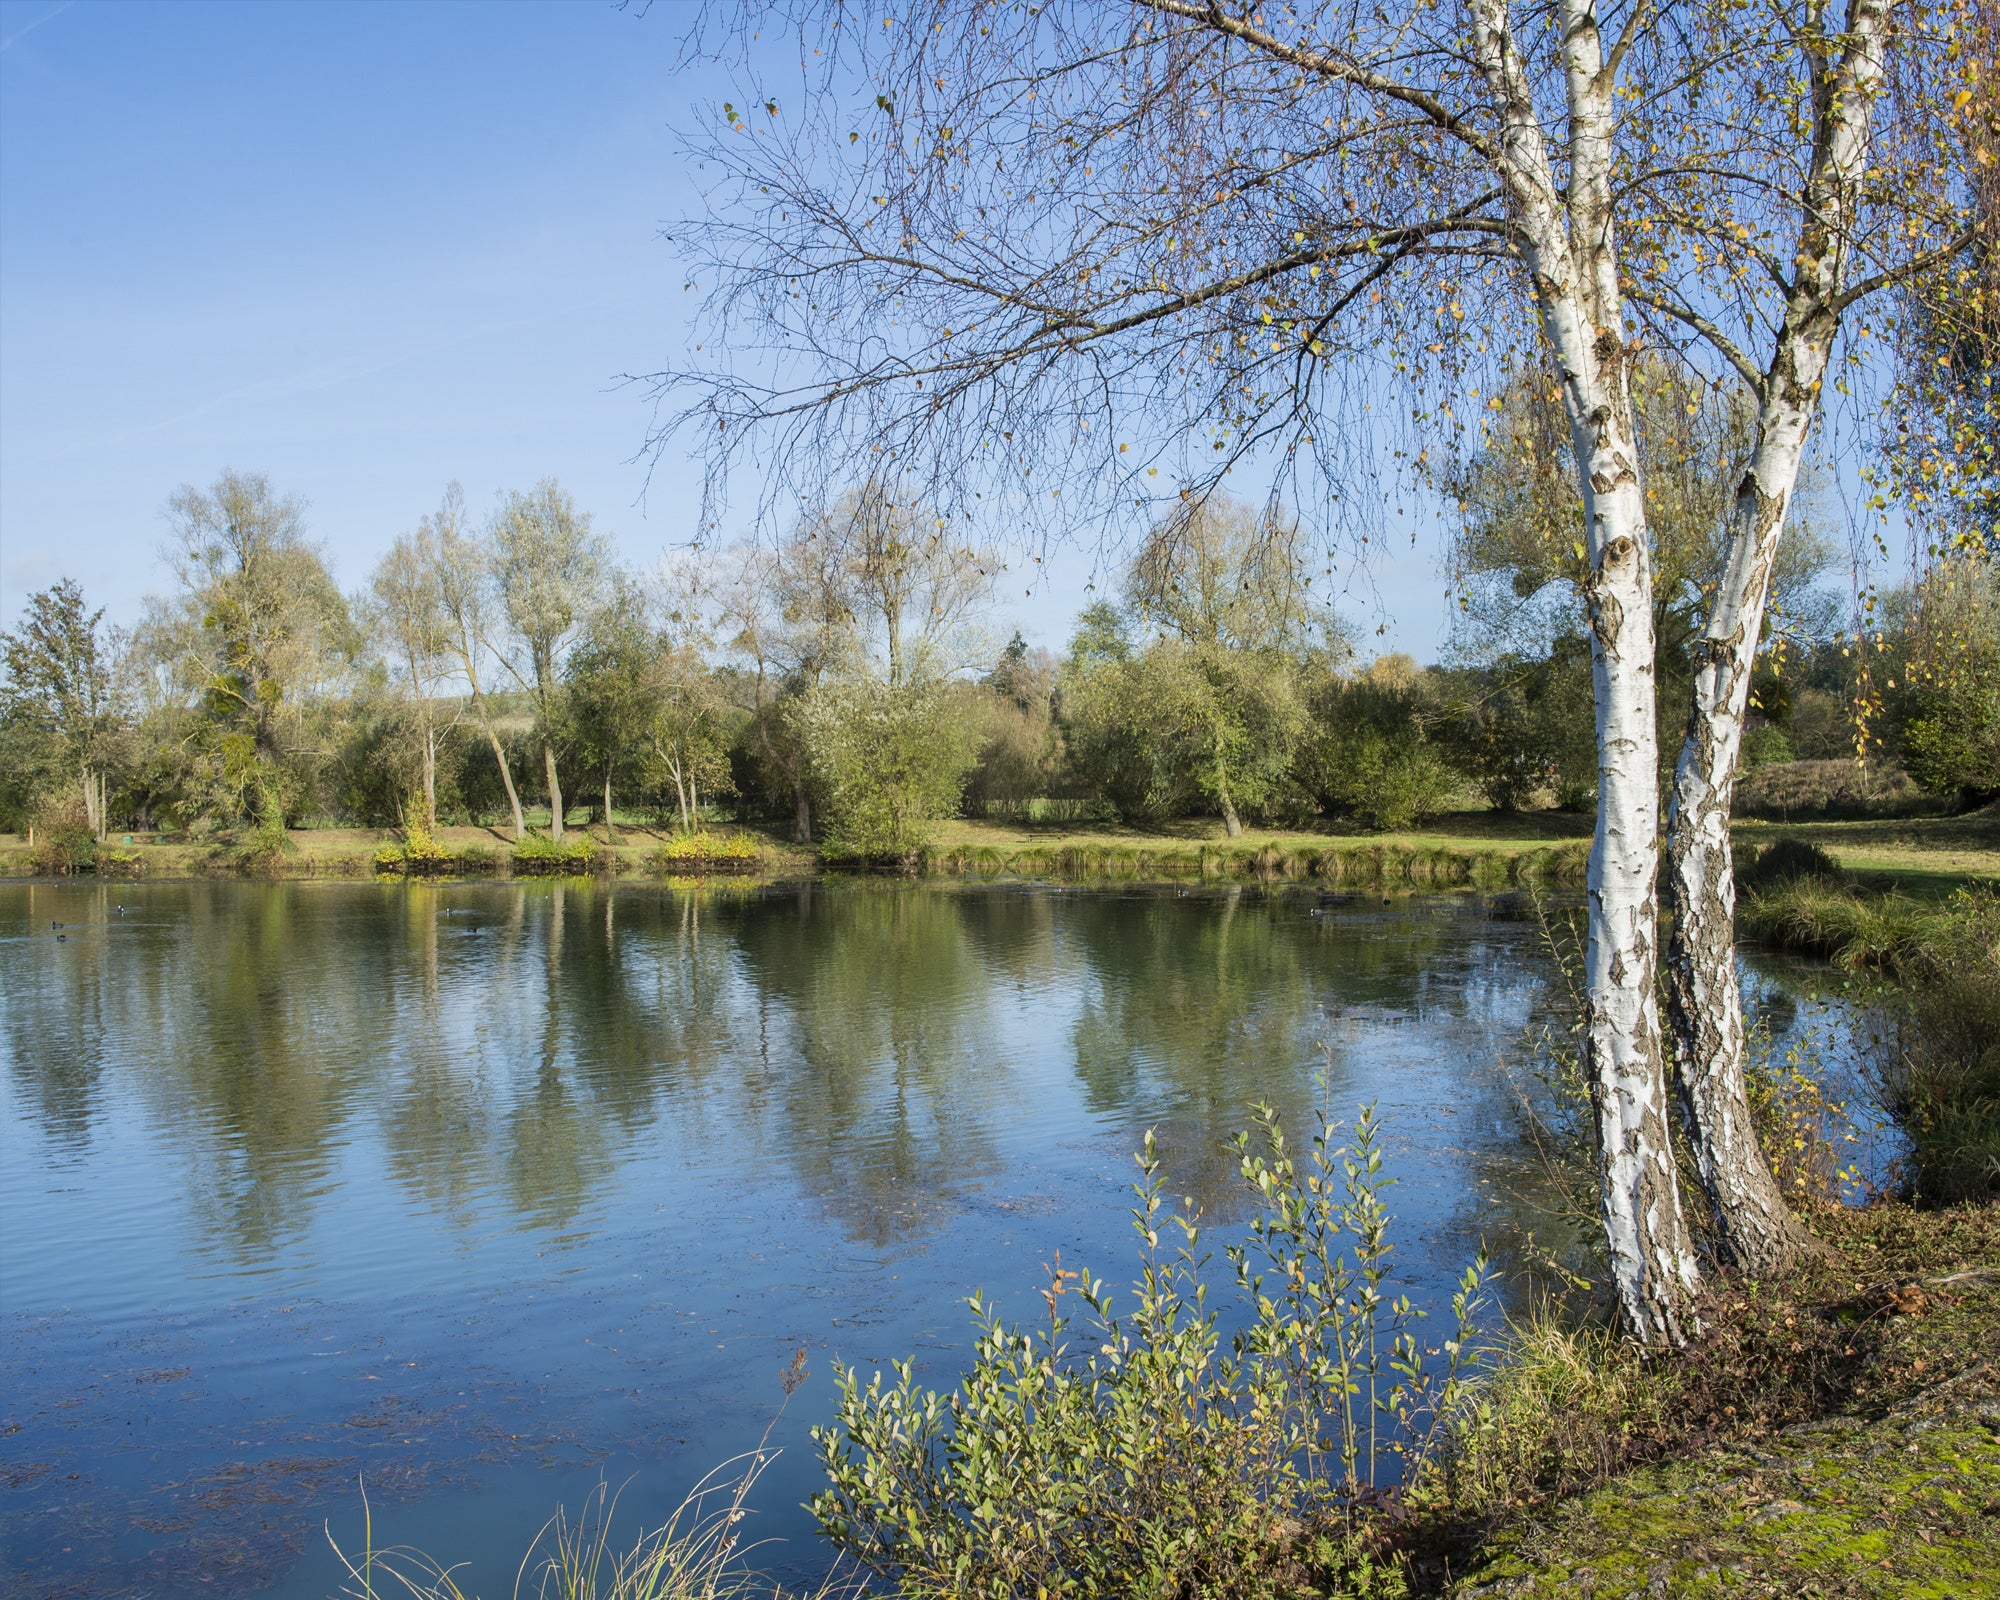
<point x="699" y="1553"/>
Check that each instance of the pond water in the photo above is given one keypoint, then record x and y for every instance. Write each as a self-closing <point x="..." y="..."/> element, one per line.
<point x="482" y="1194"/>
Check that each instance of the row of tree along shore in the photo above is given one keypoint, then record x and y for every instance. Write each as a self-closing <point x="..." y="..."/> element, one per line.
<point x="845" y="685"/>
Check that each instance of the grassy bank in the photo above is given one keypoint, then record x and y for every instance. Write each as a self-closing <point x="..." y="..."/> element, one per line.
<point x="1922" y="858"/>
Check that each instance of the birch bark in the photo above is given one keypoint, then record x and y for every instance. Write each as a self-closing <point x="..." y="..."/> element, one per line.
<point x="1758" y="1231"/>
<point x="1570" y="253"/>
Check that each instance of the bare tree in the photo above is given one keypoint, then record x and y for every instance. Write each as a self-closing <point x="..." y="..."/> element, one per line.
<point x="550" y="568"/>
<point x="1056" y="231"/>
<point x="911" y="592"/>
<point x="464" y="585"/>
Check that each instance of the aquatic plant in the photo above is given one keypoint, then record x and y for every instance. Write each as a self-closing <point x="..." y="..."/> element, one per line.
<point x="1937" y="1062"/>
<point x="699" y="1553"/>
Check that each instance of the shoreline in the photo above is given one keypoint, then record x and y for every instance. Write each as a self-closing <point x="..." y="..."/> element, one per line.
<point x="1926" y="857"/>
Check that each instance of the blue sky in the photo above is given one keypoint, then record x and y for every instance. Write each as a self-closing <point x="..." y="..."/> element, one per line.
<point x="366" y="249"/>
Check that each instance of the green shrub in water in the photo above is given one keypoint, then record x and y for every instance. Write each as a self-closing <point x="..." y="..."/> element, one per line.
<point x="1139" y="1456"/>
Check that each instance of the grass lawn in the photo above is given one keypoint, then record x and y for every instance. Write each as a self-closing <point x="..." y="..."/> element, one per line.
<point x="1926" y="857"/>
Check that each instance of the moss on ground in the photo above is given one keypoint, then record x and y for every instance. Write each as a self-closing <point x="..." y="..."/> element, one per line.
<point x="1870" y="1468"/>
<point x="1908" y="1505"/>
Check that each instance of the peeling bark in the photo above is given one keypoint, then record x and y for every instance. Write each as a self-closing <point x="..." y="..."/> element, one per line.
<point x="1570" y="252"/>
<point x="1758" y="1231"/>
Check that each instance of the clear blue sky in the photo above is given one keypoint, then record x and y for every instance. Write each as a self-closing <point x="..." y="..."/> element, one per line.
<point x="363" y="248"/>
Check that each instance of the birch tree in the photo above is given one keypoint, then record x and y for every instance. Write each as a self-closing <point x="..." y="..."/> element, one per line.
<point x="464" y="579"/>
<point x="1034" y="256"/>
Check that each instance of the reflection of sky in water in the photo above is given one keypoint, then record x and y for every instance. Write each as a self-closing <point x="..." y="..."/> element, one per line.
<point x="482" y="1190"/>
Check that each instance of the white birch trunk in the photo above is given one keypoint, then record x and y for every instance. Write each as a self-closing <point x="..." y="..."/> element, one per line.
<point x="1569" y="248"/>
<point x="1758" y="1231"/>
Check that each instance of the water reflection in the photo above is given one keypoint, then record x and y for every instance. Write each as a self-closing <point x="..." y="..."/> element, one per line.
<point x="609" y="1152"/>
<point x="879" y="1046"/>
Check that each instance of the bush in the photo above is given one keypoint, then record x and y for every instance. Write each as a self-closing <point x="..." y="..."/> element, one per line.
<point x="1370" y="756"/>
<point x="539" y="854"/>
<point x="1785" y="861"/>
<point x="1766" y="745"/>
<point x="889" y="761"/>
<point x="64" y="843"/>
<point x="704" y="852"/>
<point x="1141" y="1460"/>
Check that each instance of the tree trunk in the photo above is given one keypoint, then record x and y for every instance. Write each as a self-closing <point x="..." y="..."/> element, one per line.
<point x="1231" y="823"/>
<point x="1759" y="1233"/>
<point x="1652" y="1253"/>
<point x="506" y="772"/>
<point x="1569" y="253"/>
<point x="610" y="835"/>
<point x="555" y="793"/>
<point x="802" y="817"/>
<point x="430" y="778"/>
<point x="90" y="803"/>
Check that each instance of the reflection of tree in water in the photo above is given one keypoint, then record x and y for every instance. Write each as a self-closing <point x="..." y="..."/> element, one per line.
<point x="62" y="1002"/>
<point x="517" y="1044"/>
<point x="269" y="1021"/>
<point x="1200" y="1005"/>
<point x="1196" y="1007"/>
<point x="881" y="996"/>
<point x="252" y="1016"/>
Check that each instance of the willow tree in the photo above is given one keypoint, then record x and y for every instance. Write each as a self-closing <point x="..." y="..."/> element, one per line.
<point x="550" y="570"/>
<point x="415" y="629"/>
<point x="463" y="580"/>
<point x="997" y="245"/>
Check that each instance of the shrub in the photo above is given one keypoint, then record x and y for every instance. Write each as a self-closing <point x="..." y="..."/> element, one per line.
<point x="889" y="761"/>
<point x="704" y="852"/>
<point x="539" y="854"/>
<point x="1785" y="861"/>
<point x="64" y="842"/>
<point x="1369" y="756"/>
<point x="1141" y="1460"/>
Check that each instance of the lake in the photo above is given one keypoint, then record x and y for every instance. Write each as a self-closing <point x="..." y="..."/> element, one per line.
<point x="482" y="1194"/>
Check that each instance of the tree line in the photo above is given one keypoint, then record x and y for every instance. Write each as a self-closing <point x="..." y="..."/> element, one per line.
<point x="845" y="683"/>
